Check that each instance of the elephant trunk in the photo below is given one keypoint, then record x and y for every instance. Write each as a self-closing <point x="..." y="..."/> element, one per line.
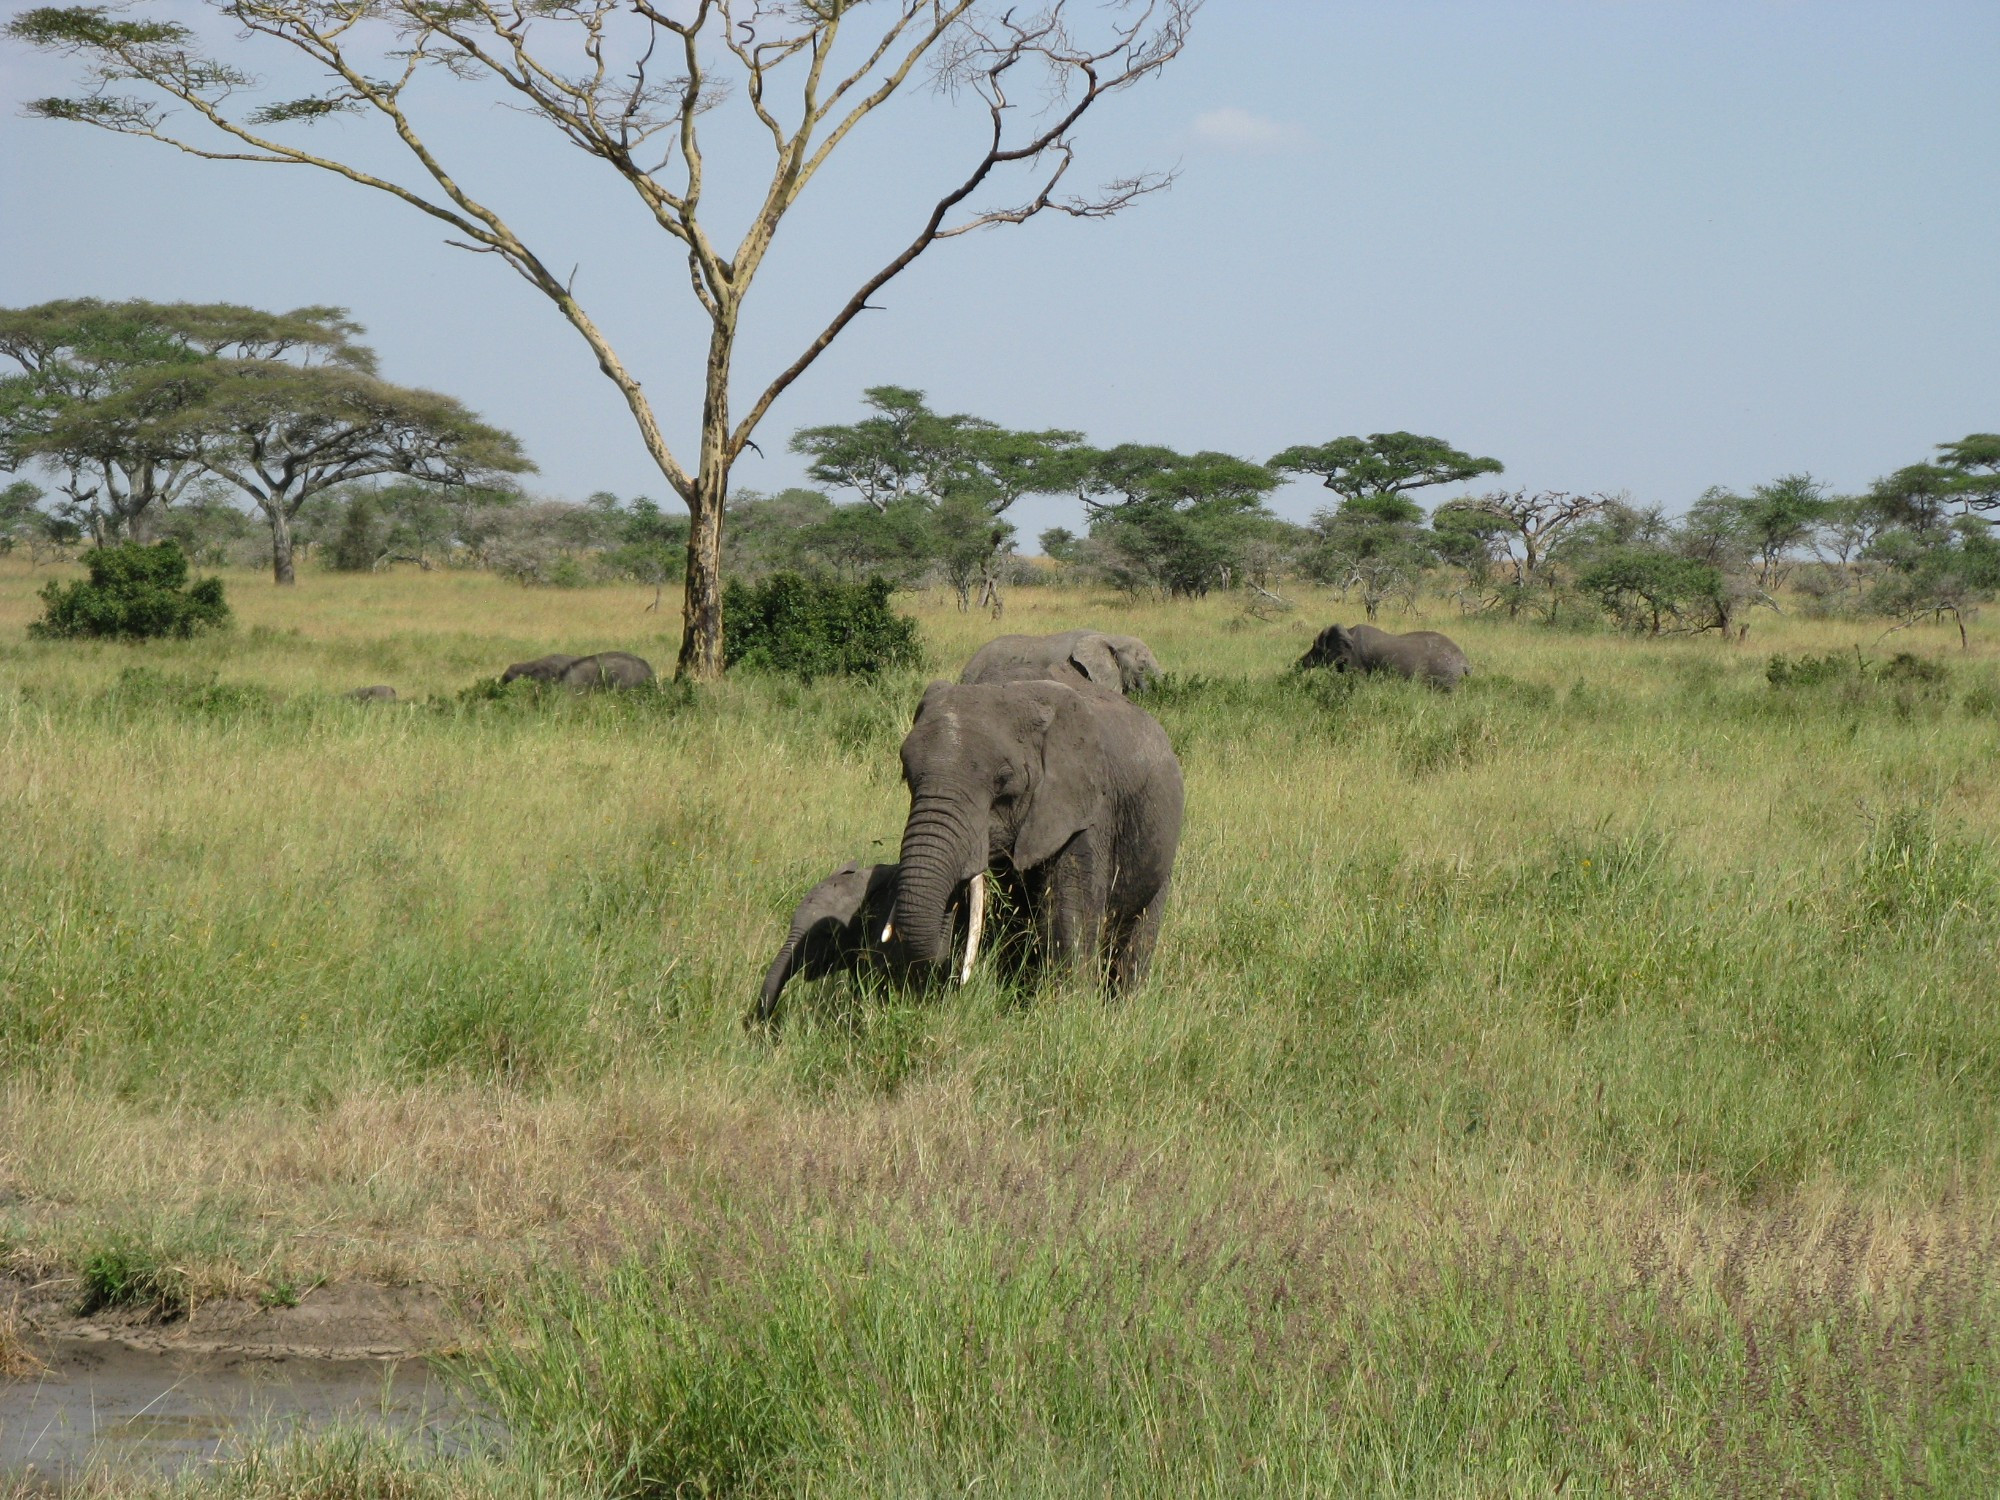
<point x="776" y="978"/>
<point x="944" y="844"/>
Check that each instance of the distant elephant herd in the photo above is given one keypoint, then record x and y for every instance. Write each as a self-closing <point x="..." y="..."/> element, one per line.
<point x="1045" y="813"/>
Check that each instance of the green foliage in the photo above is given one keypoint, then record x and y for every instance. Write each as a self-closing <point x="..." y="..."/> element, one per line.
<point x="128" y="1272"/>
<point x="1178" y="524"/>
<point x="21" y="516"/>
<point x="1649" y="587"/>
<point x="133" y="593"/>
<point x="816" y="627"/>
<point x="1936" y="571"/>
<point x="932" y="488"/>
<point x="1383" y="464"/>
<point x="1808" y="671"/>
<point x="358" y="542"/>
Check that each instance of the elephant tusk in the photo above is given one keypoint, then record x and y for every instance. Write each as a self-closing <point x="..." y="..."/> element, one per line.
<point x="975" y="920"/>
<point x="888" y="929"/>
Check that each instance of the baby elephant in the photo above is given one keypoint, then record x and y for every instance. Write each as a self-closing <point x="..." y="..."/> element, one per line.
<point x="1081" y="658"/>
<point x="1422" y="654"/>
<point x="838" y="927"/>
<point x="607" y="669"/>
<point x="541" y="669"/>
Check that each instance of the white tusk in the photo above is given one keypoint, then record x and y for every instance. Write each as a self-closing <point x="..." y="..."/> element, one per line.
<point x="888" y="929"/>
<point x="975" y="920"/>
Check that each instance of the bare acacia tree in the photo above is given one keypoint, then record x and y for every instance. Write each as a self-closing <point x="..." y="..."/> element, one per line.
<point x="1533" y="522"/>
<point x="627" y="82"/>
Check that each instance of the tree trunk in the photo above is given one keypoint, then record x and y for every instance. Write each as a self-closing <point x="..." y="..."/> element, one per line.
<point x="701" y="611"/>
<point x="281" y="547"/>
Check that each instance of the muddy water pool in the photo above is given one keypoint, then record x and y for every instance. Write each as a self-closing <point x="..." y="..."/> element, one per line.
<point x="104" y="1406"/>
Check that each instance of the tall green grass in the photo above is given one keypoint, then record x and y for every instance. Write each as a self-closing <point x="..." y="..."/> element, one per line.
<point x="1584" y="1081"/>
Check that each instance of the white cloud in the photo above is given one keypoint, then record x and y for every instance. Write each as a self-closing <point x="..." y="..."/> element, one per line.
<point x="1233" y="129"/>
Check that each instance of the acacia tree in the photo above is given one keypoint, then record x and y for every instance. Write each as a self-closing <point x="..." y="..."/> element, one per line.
<point x="283" y="433"/>
<point x="627" y="83"/>
<point x="1179" y="523"/>
<point x="1974" y="461"/>
<point x="963" y="471"/>
<point x="1533" y="522"/>
<point x="67" y="408"/>
<point x="1383" y="464"/>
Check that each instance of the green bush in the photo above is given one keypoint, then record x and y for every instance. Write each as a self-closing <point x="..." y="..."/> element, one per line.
<point x="133" y="592"/>
<point x="816" y="627"/>
<point x="360" y="539"/>
<point x="1810" y="671"/>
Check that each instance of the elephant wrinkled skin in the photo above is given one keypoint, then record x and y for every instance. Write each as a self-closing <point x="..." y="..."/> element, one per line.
<point x="837" y="927"/>
<point x="1119" y="663"/>
<point x="1068" y="798"/>
<point x="1422" y="654"/>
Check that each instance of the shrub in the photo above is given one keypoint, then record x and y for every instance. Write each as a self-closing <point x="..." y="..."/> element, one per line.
<point x="133" y="592"/>
<point x="1810" y="671"/>
<point x="816" y="627"/>
<point x="361" y="539"/>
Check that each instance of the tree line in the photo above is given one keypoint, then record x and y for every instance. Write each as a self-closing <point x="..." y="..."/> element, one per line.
<point x="197" y="422"/>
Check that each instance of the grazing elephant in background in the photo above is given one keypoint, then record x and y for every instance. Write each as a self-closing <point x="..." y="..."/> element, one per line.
<point x="380" y="693"/>
<point x="837" y="927"/>
<point x="1422" y="654"/>
<point x="1069" y="797"/>
<point x="1121" y="663"/>
<point x="541" y="669"/>
<point x="607" y="669"/>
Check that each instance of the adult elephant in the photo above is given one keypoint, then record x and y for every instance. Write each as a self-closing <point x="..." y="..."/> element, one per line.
<point x="541" y="669"/>
<point x="837" y="927"/>
<point x="607" y="669"/>
<point x="1069" y="797"/>
<point x="1421" y="654"/>
<point x="1122" y="663"/>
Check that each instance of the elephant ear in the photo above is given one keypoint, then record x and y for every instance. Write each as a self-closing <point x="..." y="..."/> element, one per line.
<point x="1068" y="791"/>
<point x="1094" y="657"/>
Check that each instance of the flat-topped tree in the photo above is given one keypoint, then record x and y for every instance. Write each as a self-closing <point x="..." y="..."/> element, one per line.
<point x="1180" y="523"/>
<point x="1974" y="461"/>
<point x="283" y="433"/>
<point x="60" y="410"/>
<point x="963" y="471"/>
<point x="1383" y="464"/>
<point x="627" y="82"/>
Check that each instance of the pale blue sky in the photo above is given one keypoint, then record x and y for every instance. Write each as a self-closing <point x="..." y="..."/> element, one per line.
<point x="1622" y="246"/>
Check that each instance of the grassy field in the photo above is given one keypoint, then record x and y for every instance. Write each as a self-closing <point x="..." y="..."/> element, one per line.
<point x="1588" y="1083"/>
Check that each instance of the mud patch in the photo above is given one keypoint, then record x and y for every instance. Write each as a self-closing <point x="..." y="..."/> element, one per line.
<point x="336" y="1323"/>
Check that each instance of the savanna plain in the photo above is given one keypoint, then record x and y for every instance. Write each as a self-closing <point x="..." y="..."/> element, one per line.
<point x="1585" y="1083"/>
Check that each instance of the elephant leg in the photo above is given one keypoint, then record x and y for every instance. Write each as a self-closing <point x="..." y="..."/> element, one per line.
<point x="1133" y="944"/>
<point x="1075" y="896"/>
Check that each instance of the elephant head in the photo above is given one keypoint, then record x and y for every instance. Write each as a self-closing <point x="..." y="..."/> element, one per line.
<point x="1333" y="647"/>
<point x="994" y="779"/>
<point x="1123" y="663"/>
<point x="837" y="926"/>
